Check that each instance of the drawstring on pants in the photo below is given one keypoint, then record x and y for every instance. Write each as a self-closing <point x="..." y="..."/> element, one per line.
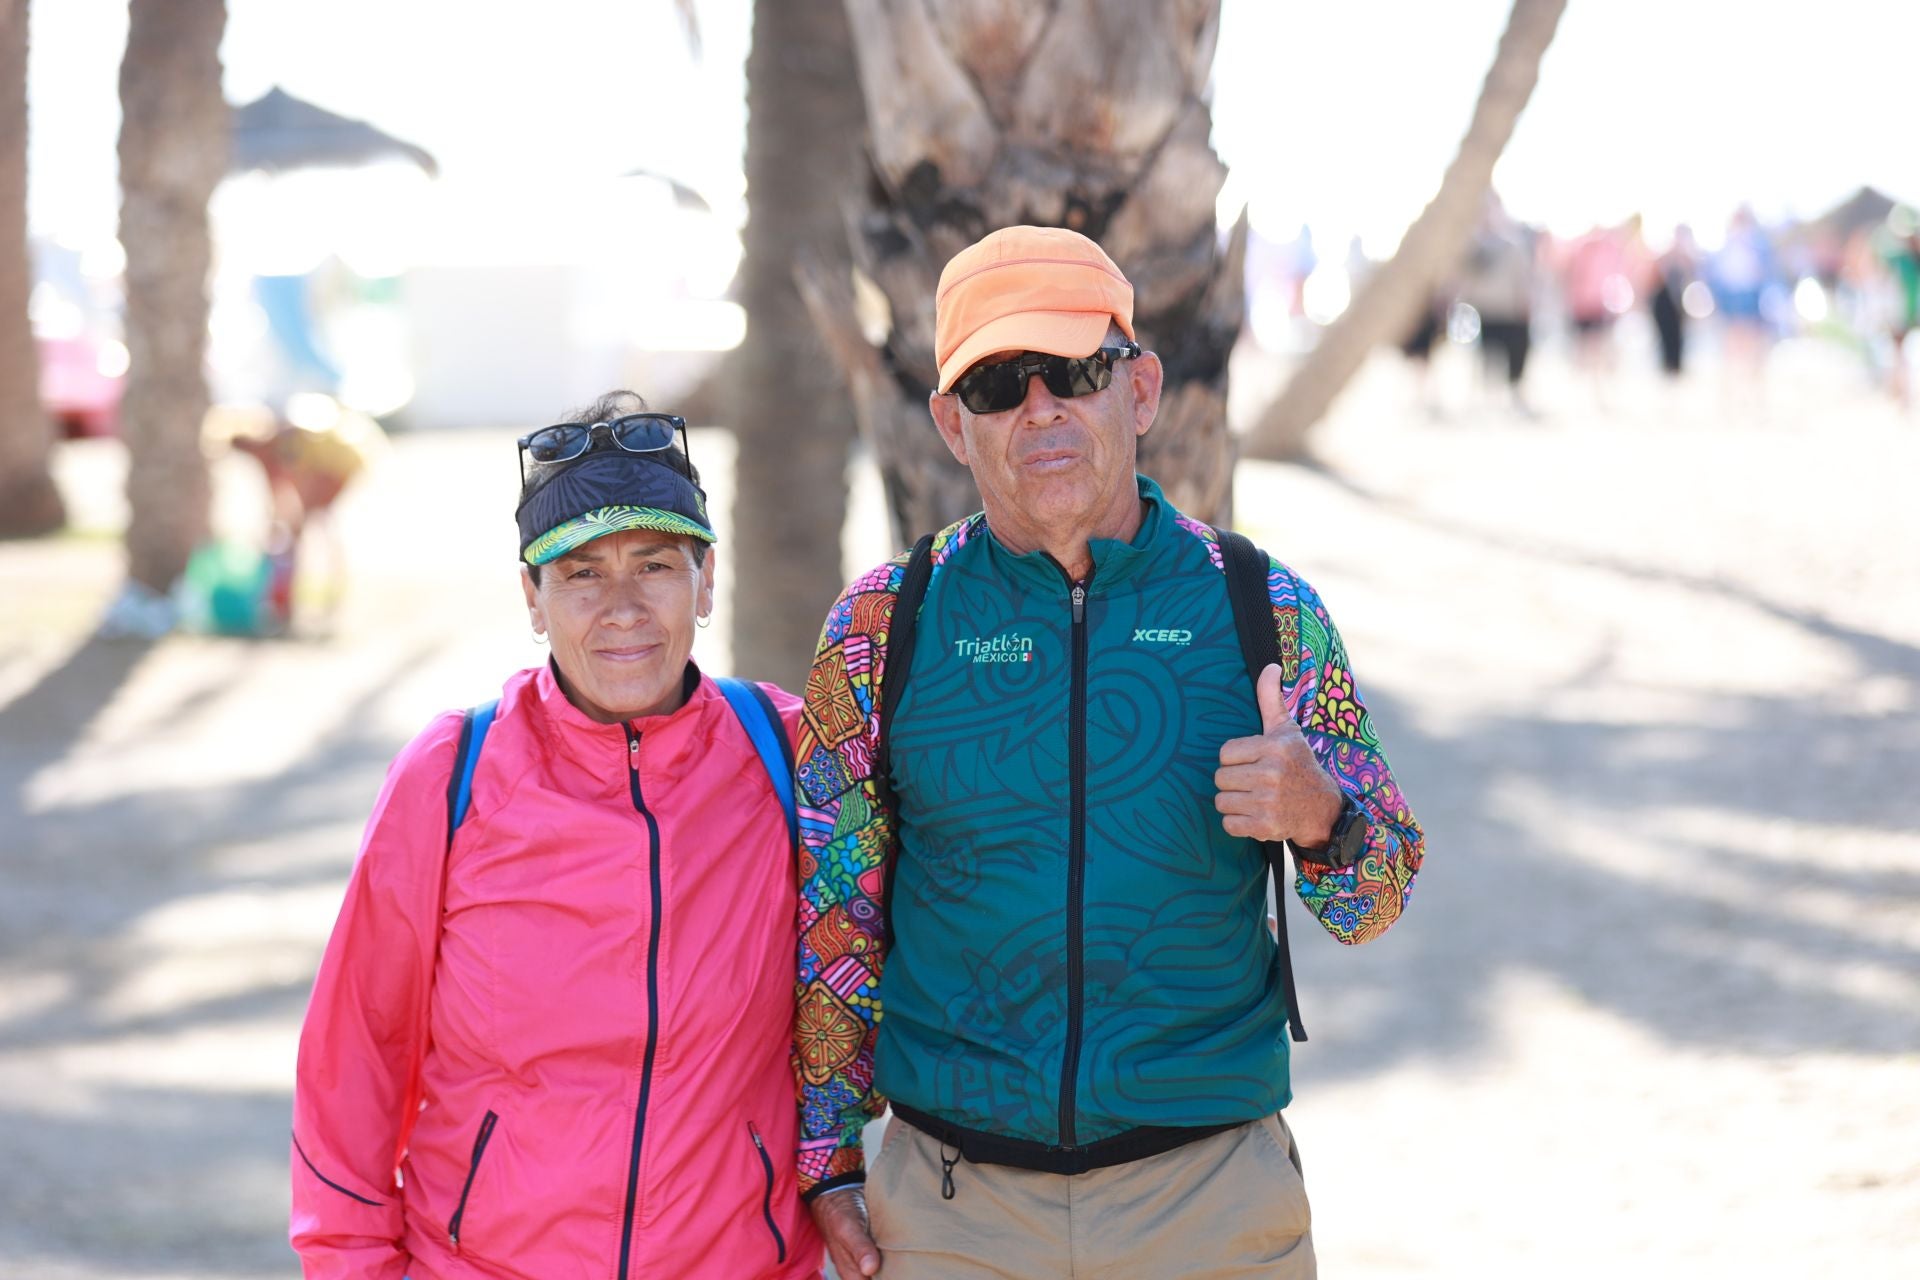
<point x="946" y="1171"/>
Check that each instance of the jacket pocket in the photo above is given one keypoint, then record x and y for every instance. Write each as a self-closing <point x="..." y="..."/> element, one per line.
<point x="480" y="1140"/>
<point x="766" y="1198"/>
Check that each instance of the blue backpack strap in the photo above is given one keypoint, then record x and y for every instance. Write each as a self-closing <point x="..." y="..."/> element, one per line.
<point x="761" y="720"/>
<point x="466" y="757"/>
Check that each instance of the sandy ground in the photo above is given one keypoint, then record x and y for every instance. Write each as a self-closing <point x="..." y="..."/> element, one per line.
<point x="1651" y="678"/>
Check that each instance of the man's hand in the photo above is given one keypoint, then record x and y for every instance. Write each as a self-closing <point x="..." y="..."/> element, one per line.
<point x="1271" y="787"/>
<point x="842" y="1219"/>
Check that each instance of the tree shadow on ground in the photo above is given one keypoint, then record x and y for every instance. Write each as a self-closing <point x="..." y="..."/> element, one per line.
<point x="180" y="1179"/>
<point x="192" y="1177"/>
<point x="42" y="723"/>
<point x="1875" y="653"/>
<point x="85" y="873"/>
<point x="1712" y="952"/>
<point x="1708" y="941"/>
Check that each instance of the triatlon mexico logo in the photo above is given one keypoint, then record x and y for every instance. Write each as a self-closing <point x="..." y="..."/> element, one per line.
<point x="1010" y="647"/>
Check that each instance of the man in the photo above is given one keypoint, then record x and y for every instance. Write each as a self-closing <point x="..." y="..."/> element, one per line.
<point x="1053" y="847"/>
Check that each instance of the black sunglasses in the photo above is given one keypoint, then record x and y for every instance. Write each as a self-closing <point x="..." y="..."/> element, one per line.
<point x="635" y="433"/>
<point x="992" y="388"/>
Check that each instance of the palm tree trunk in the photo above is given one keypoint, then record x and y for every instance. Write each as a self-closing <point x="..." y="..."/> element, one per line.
<point x="786" y="402"/>
<point x="1086" y="114"/>
<point x="29" y="502"/>
<point x="1386" y="304"/>
<point x="173" y="151"/>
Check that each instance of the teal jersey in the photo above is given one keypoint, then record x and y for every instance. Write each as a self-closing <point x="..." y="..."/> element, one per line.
<point x="1078" y="947"/>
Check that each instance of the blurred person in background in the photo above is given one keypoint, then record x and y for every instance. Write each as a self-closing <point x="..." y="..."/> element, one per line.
<point x="1897" y="244"/>
<point x="1298" y="260"/>
<point x="309" y="456"/>
<point x="1596" y="286"/>
<point x="1742" y="273"/>
<point x="1429" y="327"/>
<point x="551" y="1039"/>
<point x="1671" y="272"/>
<point x="1496" y="280"/>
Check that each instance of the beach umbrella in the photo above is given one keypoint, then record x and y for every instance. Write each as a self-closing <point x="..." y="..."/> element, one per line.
<point x="279" y="132"/>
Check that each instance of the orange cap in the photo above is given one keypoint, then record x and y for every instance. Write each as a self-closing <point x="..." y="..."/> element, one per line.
<point x="1027" y="289"/>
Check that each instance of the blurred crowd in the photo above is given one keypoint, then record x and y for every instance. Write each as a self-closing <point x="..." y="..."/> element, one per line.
<point x="1851" y="276"/>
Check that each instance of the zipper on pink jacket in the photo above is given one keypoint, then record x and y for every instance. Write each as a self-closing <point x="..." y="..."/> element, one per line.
<point x="766" y="1201"/>
<point x="653" y="997"/>
<point x="473" y="1167"/>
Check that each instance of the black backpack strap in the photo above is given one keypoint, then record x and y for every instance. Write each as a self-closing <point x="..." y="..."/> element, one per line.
<point x="902" y="625"/>
<point x="1247" y="567"/>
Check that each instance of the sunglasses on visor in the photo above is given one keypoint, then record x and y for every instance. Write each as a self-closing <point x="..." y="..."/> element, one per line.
<point x="991" y="388"/>
<point x="635" y="433"/>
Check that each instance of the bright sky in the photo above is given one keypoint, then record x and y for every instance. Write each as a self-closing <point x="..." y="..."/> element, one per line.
<point x="1347" y="114"/>
<point x="521" y="112"/>
<point x="1342" y="114"/>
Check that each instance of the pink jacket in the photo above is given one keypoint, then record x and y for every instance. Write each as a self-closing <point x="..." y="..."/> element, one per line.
<point x="590" y="1078"/>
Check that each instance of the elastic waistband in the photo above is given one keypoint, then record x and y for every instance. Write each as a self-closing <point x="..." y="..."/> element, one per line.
<point x="1023" y="1153"/>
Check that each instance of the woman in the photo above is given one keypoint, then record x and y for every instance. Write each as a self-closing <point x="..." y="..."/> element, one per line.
<point x="549" y="1039"/>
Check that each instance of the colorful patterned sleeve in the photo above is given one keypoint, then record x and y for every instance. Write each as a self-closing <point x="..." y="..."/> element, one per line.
<point x="1359" y="902"/>
<point x="846" y="835"/>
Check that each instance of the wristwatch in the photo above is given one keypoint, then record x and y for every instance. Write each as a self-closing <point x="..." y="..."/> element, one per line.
<point x="1344" y="845"/>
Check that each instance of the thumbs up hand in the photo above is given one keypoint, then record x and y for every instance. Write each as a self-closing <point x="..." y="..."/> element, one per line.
<point x="1270" y="787"/>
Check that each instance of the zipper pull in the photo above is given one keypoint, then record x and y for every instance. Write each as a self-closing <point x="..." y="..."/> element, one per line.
<point x="1079" y="603"/>
<point x="633" y="748"/>
<point x="754" y="1130"/>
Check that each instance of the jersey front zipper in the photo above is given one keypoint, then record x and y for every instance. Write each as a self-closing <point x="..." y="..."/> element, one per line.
<point x="653" y="997"/>
<point x="1076" y="860"/>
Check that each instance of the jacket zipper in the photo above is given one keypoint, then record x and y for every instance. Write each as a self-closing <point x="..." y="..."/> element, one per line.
<point x="653" y="997"/>
<point x="766" y="1202"/>
<point x="473" y="1166"/>
<point x="1076" y="861"/>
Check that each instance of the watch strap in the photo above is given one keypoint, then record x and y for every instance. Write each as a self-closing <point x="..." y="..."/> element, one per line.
<point x="1340" y="850"/>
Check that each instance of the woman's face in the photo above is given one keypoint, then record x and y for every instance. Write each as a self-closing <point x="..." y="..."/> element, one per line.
<point x="620" y="612"/>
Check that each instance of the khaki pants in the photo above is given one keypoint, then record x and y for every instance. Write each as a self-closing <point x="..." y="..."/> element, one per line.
<point x="1225" y="1207"/>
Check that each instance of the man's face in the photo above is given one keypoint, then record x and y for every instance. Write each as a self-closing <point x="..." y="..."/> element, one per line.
<point x="1053" y="470"/>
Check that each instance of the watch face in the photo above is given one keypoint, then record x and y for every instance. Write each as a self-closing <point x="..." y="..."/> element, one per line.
<point x="1352" y="837"/>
